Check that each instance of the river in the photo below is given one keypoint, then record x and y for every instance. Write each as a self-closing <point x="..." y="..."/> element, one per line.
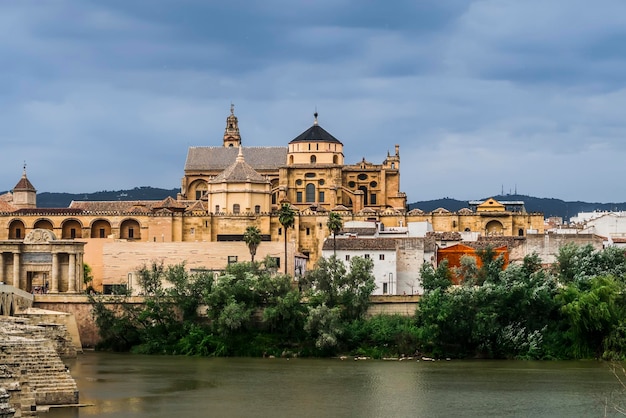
<point x="134" y="386"/>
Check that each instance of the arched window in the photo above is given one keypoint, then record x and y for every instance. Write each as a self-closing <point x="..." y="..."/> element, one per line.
<point x="310" y="192"/>
<point x="520" y="232"/>
<point x="291" y="159"/>
<point x="257" y="209"/>
<point x="335" y="159"/>
<point x="236" y="208"/>
<point x="313" y="159"/>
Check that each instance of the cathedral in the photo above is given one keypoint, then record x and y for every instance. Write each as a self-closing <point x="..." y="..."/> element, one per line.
<point x="225" y="189"/>
<point x="309" y="173"/>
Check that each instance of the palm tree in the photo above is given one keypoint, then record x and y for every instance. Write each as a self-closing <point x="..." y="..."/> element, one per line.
<point x="287" y="217"/>
<point x="335" y="223"/>
<point x="252" y="238"/>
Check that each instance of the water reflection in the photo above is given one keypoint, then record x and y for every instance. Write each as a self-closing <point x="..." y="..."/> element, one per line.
<point x="121" y="385"/>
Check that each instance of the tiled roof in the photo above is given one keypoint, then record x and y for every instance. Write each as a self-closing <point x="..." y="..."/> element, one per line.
<point x="6" y="206"/>
<point x="360" y="231"/>
<point x="361" y="244"/>
<point x="445" y="236"/>
<point x="239" y="172"/>
<point x="219" y="158"/>
<point x="196" y="206"/>
<point x="170" y="203"/>
<point x="315" y="133"/>
<point x="7" y="197"/>
<point x="113" y="205"/>
<point x="26" y="211"/>
<point x="24" y="184"/>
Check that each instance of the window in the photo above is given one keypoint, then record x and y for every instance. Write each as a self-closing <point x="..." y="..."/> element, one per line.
<point x="362" y="176"/>
<point x="280" y="231"/>
<point x="347" y="257"/>
<point x="131" y="233"/>
<point x="257" y="209"/>
<point x="277" y="261"/>
<point x="298" y="197"/>
<point x="114" y="289"/>
<point x="73" y="233"/>
<point x="313" y="159"/>
<point x="310" y="192"/>
<point x="385" y="288"/>
<point x="393" y="166"/>
<point x="373" y="184"/>
<point x="232" y="259"/>
<point x="299" y="182"/>
<point x="321" y="182"/>
<point x="236" y="208"/>
<point x="373" y="199"/>
<point x="381" y="257"/>
<point x="308" y="231"/>
<point x="217" y="208"/>
<point x="198" y="194"/>
<point x="351" y="184"/>
<point x="367" y="256"/>
<point x="18" y="233"/>
<point x="192" y="231"/>
<point x="321" y="197"/>
<point x="309" y="175"/>
<point x="102" y="233"/>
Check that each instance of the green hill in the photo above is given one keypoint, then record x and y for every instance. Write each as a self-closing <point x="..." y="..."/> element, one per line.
<point x="63" y="200"/>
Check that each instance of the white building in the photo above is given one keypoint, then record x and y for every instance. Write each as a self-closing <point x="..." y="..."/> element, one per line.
<point x="397" y="261"/>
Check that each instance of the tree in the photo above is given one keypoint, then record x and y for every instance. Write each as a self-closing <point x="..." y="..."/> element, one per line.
<point x="286" y="217"/>
<point x="335" y="223"/>
<point x="334" y="286"/>
<point x="252" y="238"/>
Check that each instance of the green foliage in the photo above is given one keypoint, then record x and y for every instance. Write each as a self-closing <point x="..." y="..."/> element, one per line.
<point x="439" y="278"/>
<point x="88" y="278"/>
<point x="506" y="316"/>
<point x="324" y="325"/>
<point x="252" y="238"/>
<point x="382" y="336"/>
<point x="594" y="315"/>
<point x="334" y="224"/>
<point x="331" y="284"/>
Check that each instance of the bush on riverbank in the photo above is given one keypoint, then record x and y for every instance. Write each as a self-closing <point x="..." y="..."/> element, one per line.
<point x="573" y="309"/>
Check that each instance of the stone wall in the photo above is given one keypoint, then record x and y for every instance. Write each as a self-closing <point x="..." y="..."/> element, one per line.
<point x="31" y="369"/>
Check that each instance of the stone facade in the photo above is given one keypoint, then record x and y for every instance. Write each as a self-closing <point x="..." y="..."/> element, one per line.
<point x="224" y="190"/>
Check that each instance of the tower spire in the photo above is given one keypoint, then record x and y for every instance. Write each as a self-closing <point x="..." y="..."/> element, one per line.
<point x="232" y="137"/>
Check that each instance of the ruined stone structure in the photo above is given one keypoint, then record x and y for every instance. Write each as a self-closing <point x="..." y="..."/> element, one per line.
<point x="31" y="369"/>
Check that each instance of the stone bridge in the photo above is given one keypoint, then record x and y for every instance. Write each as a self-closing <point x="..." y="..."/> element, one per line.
<point x="13" y="300"/>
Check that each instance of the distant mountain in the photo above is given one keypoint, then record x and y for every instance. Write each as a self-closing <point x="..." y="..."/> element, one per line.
<point x="63" y="200"/>
<point x="549" y="207"/>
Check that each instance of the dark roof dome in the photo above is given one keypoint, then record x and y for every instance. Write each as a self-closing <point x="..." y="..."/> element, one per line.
<point x="315" y="134"/>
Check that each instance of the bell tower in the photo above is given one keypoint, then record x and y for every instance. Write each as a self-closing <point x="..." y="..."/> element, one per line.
<point x="24" y="193"/>
<point x="232" y="138"/>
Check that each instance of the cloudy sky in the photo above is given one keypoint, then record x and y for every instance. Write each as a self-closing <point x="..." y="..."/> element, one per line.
<point x="481" y="96"/>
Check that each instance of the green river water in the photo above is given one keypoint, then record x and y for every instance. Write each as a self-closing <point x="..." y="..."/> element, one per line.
<point x="125" y="385"/>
